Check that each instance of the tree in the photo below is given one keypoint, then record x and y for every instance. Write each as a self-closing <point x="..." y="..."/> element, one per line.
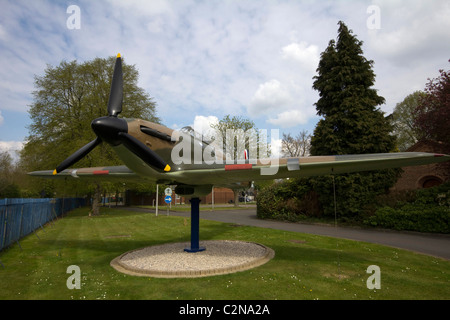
<point x="432" y="115"/>
<point x="231" y="131"/>
<point x="402" y="119"/>
<point x="296" y="147"/>
<point x="66" y="99"/>
<point x="8" y="188"/>
<point x="243" y="131"/>
<point x="352" y="123"/>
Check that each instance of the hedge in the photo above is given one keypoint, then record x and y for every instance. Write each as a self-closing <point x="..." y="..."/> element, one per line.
<point x="413" y="217"/>
<point x="424" y="210"/>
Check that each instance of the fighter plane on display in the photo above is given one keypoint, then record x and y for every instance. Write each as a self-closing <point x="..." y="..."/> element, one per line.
<point x="155" y="153"/>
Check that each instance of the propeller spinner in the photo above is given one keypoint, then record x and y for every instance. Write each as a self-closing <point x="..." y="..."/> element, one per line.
<point x="114" y="130"/>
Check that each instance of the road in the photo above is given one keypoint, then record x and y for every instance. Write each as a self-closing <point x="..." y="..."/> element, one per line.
<point x="436" y="245"/>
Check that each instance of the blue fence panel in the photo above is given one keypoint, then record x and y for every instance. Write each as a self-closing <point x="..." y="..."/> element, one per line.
<point x="20" y="217"/>
<point x="13" y="220"/>
<point x="3" y="225"/>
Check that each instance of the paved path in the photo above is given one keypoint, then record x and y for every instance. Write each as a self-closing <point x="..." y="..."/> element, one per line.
<point x="434" y="245"/>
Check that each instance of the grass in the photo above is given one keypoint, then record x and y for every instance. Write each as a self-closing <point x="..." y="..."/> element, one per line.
<point x="305" y="266"/>
<point x="203" y="207"/>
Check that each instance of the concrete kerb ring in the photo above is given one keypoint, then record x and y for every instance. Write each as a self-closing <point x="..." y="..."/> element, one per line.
<point x="220" y="257"/>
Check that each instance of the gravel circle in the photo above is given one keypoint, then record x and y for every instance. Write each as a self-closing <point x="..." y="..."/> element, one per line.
<point x="171" y="261"/>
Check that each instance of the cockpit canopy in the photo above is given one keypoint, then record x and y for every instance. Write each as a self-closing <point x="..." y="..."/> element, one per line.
<point x="199" y="137"/>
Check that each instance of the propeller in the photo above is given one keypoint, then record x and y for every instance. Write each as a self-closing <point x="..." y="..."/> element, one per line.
<point x="114" y="130"/>
<point x="116" y="93"/>
<point x="78" y="155"/>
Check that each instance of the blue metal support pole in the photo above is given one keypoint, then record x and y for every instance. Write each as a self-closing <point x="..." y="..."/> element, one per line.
<point x="195" y="226"/>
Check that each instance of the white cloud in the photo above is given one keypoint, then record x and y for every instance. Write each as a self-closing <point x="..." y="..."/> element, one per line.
<point x="203" y="124"/>
<point x="408" y="49"/>
<point x="269" y="96"/>
<point x="143" y="7"/>
<point x="275" y="148"/>
<point x="13" y="147"/>
<point x="290" y="118"/>
<point x="251" y="58"/>
<point x="3" y="33"/>
<point x="1" y="118"/>
<point x="283" y="104"/>
<point x="290" y="89"/>
<point x="306" y="55"/>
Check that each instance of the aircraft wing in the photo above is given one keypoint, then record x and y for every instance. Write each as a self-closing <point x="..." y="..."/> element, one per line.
<point x="105" y="173"/>
<point x="302" y="167"/>
<point x="269" y="169"/>
<point x="238" y="175"/>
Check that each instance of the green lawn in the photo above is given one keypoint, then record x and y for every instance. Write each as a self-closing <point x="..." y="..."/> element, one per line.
<point x="162" y="208"/>
<point x="304" y="267"/>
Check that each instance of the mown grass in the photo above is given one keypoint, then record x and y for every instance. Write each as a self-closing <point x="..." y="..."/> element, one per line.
<point x="304" y="267"/>
<point x="203" y="207"/>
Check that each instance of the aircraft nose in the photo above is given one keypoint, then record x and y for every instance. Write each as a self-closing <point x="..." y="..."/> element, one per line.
<point x="108" y="129"/>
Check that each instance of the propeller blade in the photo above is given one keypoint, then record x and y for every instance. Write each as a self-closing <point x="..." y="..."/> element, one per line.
<point x="78" y="155"/>
<point x="116" y="93"/>
<point x="142" y="151"/>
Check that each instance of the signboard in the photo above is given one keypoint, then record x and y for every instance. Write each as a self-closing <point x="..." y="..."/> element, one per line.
<point x="168" y="192"/>
<point x="168" y="199"/>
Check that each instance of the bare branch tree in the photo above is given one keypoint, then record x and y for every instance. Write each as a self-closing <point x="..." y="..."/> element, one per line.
<point x="297" y="146"/>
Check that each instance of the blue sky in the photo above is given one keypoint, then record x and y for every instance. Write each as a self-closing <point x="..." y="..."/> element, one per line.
<point x="201" y="60"/>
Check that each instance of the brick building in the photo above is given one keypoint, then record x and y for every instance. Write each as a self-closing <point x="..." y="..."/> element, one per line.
<point x="425" y="176"/>
<point x="221" y="196"/>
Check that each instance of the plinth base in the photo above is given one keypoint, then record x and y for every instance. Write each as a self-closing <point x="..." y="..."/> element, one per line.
<point x="172" y="261"/>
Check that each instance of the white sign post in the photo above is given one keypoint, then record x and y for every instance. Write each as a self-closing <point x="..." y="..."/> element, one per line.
<point x="168" y="192"/>
<point x="168" y="200"/>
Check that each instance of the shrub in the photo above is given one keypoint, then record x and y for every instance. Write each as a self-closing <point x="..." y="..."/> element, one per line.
<point x="355" y="193"/>
<point x="296" y="199"/>
<point x="290" y="200"/>
<point x="411" y="217"/>
<point x="427" y="211"/>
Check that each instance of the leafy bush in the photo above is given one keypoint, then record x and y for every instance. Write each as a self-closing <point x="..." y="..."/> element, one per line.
<point x="355" y="193"/>
<point x="296" y="199"/>
<point x="290" y="200"/>
<point x="10" y="191"/>
<point x="412" y="217"/>
<point x="429" y="211"/>
<point x="439" y="195"/>
<point x="424" y="210"/>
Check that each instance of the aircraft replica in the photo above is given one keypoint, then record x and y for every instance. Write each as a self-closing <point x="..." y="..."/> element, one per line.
<point x="147" y="150"/>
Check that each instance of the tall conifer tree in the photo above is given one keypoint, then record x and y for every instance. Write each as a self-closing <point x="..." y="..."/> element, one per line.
<point x="352" y="124"/>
